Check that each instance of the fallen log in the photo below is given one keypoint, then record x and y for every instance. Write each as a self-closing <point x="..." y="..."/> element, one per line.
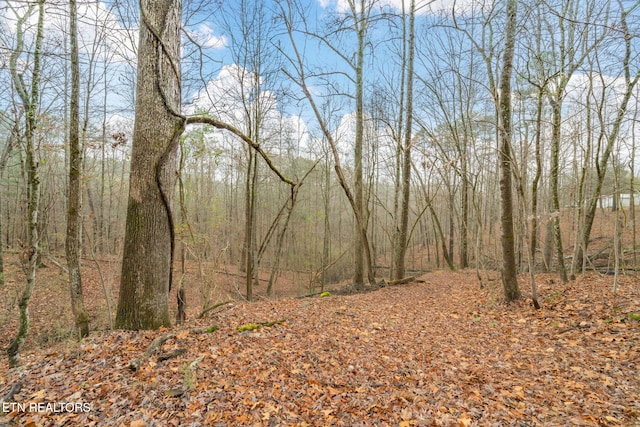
<point x="213" y="307"/>
<point x="402" y="281"/>
<point x="171" y="355"/>
<point x="15" y="389"/>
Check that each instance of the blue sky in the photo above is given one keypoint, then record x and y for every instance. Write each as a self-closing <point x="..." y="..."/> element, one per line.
<point x="216" y="32"/>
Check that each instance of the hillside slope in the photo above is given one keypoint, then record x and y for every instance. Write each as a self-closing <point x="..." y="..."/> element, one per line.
<point x="440" y="352"/>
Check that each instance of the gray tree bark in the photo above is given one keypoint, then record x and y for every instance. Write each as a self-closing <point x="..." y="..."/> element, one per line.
<point x="74" y="195"/>
<point x="509" y="278"/>
<point x="147" y="263"/>
<point x="30" y="98"/>
<point x="402" y="241"/>
<point x="361" y="30"/>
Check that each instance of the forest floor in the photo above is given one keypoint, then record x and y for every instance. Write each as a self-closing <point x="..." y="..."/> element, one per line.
<point x="439" y="351"/>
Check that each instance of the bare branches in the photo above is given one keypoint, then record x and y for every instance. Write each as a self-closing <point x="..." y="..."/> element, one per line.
<point x="218" y="124"/>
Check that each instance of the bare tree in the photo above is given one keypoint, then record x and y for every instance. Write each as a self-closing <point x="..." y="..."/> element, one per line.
<point x="74" y="191"/>
<point x="402" y="240"/>
<point x="630" y="82"/>
<point x="573" y="48"/>
<point x="509" y="272"/>
<point x="149" y="241"/>
<point x="356" y="21"/>
<point x="30" y="98"/>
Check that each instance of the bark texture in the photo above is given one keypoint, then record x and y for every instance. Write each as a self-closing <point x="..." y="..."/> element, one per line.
<point x="149" y="240"/>
<point x="403" y="236"/>
<point x="74" y="199"/>
<point x="509" y="278"/>
<point x="30" y="100"/>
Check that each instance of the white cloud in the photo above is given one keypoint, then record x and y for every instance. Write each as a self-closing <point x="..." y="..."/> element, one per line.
<point x="99" y="31"/>
<point x="98" y="24"/>
<point x="423" y="7"/>
<point x="205" y="36"/>
<point x="234" y="92"/>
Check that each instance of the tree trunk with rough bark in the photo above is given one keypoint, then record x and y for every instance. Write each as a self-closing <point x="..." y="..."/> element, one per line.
<point x="358" y="275"/>
<point x="509" y="278"/>
<point x="402" y="241"/>
<point x="74" y="196"/>
<point x="149" y="237"/>
<point x="30" y="98"/>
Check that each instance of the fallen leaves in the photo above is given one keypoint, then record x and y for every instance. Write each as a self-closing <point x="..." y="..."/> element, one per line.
<point x="412" y="355"/>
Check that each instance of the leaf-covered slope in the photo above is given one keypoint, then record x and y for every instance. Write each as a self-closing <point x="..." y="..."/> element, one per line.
<point x="442" y="352"/>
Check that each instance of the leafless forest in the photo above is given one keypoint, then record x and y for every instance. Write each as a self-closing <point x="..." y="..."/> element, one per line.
<point x="368" y="139"/>
<point x="319" y="212"/>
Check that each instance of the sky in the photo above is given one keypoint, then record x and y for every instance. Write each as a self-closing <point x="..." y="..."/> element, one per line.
<point x="215" y="82"/>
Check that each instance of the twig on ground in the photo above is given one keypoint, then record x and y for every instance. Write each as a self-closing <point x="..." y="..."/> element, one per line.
<point x="153" y="348"/>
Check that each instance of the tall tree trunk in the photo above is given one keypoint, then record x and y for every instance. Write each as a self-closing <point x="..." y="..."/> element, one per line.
<point x="397" y="190"/>
<point x="30" y="100"/>
<point x="250" y="213"/>
<point x="326" y="241"/>
<point x="584" y="172"/>
<point x="533" y="237"/>
<point x="301" y="81"/>
<point x="403" y="241"/>
<point x="555" y="167"/>
<point x="74" y="195"/>
<point x="452" y="226"/>
<point x="464" y="220"/>
<point x="632" y="201"/>
<point x="149" y="238"/>
<point x="509" y="278"/>
<point x="358" y="271"/>
<point x="247" y="204"/>
<point x="630" y="84"/>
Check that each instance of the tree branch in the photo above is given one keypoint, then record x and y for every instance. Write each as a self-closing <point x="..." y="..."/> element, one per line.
<point x="203" y="120"/>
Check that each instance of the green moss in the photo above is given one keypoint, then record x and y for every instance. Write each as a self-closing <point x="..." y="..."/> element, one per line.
<point x="325" y="294"/>
<point x="211" y="329"/>
<point x="252" y="326"/>
<point x="248" y="327"/>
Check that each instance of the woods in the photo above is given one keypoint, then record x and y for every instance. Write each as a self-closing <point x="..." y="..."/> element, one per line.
<point x="413" y="156"/>
<point x="189" y="153"/>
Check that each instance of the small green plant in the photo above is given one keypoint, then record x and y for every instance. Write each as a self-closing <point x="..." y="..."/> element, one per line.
<point x="635" y="317"/>
<point x="553" y="297"/>
<point x="211" y="329"/>
<point x="252" y="326"/>
<point x="325" y="294"/>
<point x="476" y="319"/>
<point x="190" y="379"/>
